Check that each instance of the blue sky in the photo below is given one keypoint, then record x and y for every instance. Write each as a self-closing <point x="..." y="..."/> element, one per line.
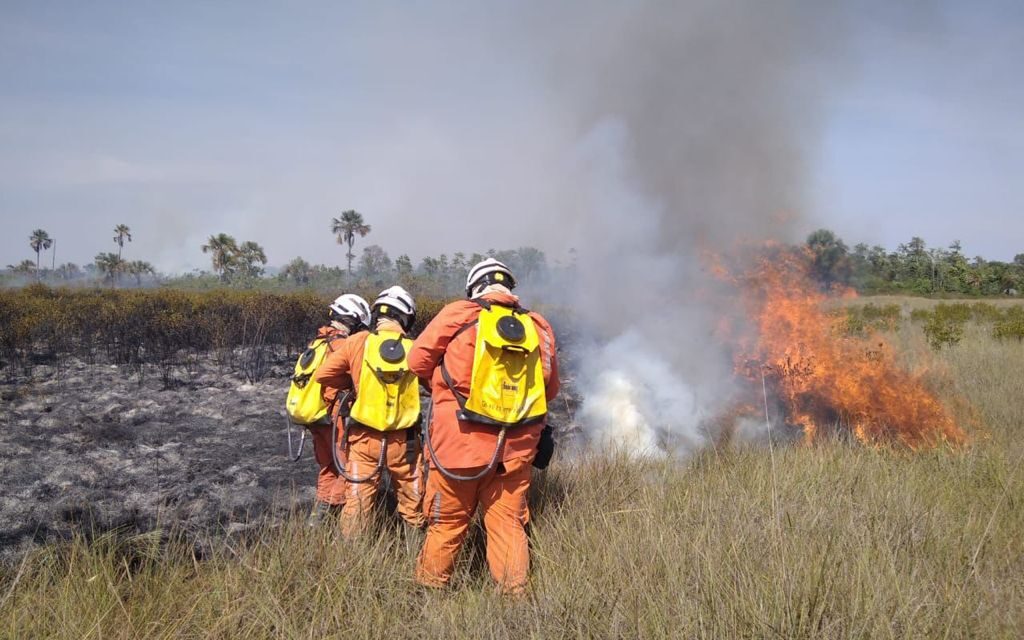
<point x="439" y="123"/>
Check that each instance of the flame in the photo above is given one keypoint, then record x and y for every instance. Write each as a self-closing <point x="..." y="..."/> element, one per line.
<point x="821" y="375"/>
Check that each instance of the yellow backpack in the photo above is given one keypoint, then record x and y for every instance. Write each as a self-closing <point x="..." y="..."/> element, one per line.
<point x="389" y="397"/>
<point x="507" y="385"/>
<point x="305" y="404"/>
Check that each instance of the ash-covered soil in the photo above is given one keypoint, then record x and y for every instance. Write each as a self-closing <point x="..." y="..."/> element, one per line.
<point x="94" y="447"/>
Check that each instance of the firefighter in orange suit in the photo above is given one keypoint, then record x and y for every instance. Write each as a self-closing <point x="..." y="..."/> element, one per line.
<point x="492" y="368"/>
<point x="381" y="429"/>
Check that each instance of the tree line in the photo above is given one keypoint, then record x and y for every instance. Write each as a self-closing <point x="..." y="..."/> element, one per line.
<point x="107" y="266"/>
<point x="913" y="268"/>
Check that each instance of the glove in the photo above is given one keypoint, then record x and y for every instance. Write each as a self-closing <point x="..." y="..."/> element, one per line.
<point x="545" y="448"/>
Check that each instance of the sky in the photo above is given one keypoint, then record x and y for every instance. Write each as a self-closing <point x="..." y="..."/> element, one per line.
<point x="447" y="125"/>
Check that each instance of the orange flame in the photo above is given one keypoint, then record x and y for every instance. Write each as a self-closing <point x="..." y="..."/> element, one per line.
<point x="824" y="377"/>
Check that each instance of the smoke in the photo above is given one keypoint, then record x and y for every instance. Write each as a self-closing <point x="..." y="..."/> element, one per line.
<point x="695" y="121"/>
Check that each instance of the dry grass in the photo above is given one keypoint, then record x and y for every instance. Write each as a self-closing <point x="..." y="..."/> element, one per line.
<point x="910" y="303"/>
<point x="865" y="543"/>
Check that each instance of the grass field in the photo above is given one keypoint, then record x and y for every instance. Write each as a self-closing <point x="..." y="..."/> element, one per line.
<point x="834" y="540"/>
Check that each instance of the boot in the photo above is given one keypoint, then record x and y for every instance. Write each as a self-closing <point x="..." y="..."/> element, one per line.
<point x="320" y="513"/>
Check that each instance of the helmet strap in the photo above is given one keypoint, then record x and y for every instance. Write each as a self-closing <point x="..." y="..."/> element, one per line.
<point x="493" y="287"/>
<point x="342" y="327"/>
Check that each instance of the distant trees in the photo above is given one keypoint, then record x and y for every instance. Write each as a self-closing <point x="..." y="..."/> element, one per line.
<point x="68" y="271"/>
<point x="346" y="228"/>
<point x="121" y="233"/>
<point x="25" y="267"/>
<point x="39" y="241"/>
<point x="251" y="259"/>
<point x="829" y="256"/>
<point x="912" y="268"/>
<point x="110" y="265"/>
<point x="403" y="265"/>
<point x="297" y="271"/>
<point x="229" y="258"/>
<point x="139" y="269"/>
<point x="222" y="249"/>
<point x="374" y="261"/>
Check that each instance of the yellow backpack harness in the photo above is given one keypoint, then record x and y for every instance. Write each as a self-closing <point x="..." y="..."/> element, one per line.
<point x="507" y="384"/>
<point x="388" y="398"/>
<point x="507" y="388"/>
<point x="305" y="405"/>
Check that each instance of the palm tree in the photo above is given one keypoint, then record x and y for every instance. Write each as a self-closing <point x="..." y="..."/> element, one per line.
<point x="223" y="252"/>
<point x="39" y="240"/>
<point x="251" y="259"/>
<point x="347" y="228"/>
<point x="110" y="265"/>
<point x="829" y="256"/>
<point x="68" y="271"/>
<point x="297" y="270"/>
<point x="121" y="232"/>
<point x="24" y="267"/>
<point x="139" y="268"/>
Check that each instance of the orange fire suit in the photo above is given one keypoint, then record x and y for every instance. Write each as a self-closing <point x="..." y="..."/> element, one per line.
<point x="330" y="486"/>
<point x="467" y="447"/>
<point x="340" y="370"/>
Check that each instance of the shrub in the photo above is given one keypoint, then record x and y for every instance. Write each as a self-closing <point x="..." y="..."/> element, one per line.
<point x="161" y="326"/>
<point x="943" y="330"/>
<point x="986" y="312"/>
<point x="1011" y="325"/>
<point x="871" y="317"/>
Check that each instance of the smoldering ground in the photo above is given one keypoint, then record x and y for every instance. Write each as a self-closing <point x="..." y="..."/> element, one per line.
<point x="88" y="448"/>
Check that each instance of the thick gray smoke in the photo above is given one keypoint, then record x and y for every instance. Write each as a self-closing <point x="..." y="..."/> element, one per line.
<point x="695" y="119"/>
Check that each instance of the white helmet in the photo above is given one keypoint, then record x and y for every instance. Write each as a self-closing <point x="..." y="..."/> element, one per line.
<point x="489" y="271"/>
<point x="351" y="307"/>
<point x="395" y="303"/>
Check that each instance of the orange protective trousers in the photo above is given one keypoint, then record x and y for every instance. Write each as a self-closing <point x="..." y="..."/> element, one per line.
<point x="330" y="486"/>
<point x="449" y="506"/>
<point x="364" y="451"/>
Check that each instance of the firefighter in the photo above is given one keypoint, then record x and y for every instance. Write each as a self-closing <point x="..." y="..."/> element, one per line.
<point x="380" y="431"/>
<point x="349" y="313"/>
<point x="492" y="369"/>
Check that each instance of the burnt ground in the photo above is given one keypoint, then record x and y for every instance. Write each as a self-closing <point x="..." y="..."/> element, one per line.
<point x="93" y="447"/>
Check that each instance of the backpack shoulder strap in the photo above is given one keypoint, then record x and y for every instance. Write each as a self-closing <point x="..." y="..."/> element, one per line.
<point x="330" y="340"/>
<point x="445" y="374"/>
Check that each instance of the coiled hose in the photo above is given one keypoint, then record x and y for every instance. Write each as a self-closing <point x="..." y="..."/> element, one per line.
<point x="341" y="467"/>
<point x="447" y="472"/>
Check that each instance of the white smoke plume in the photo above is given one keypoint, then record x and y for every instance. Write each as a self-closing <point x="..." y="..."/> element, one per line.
<point x="696" y="118"/>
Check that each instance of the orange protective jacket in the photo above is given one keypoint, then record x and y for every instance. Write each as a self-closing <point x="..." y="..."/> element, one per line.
<point x="330" y="486"/>
<point x="460" y="444"/>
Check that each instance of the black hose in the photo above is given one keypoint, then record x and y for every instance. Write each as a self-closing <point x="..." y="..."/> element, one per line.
<point x="341" y="468"/>
<point x="448" y="473"/>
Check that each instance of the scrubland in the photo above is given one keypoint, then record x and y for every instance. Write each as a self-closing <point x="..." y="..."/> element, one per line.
<point x="831" y="540"/>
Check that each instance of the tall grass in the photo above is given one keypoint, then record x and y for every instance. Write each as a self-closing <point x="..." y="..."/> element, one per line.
<point x="864" y="543"/>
